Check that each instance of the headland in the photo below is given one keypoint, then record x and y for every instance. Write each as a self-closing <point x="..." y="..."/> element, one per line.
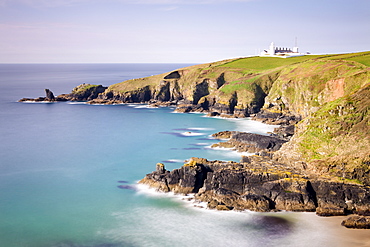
<point x="317" y="160"/>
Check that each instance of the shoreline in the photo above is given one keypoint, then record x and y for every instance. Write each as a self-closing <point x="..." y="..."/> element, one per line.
<point x="295" y="192"/>
<point x="344" y="237"/>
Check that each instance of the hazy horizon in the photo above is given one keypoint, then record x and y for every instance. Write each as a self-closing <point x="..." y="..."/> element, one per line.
<point x="175" y="31"/>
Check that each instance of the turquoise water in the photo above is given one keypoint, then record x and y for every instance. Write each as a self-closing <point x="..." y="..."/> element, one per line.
<point x="61" y="165"/>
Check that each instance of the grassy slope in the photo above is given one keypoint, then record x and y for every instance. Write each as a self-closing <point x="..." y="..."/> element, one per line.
<point x="330" y="90"/>
<point x="242" y="75"/>
<point x="335" y="136"/>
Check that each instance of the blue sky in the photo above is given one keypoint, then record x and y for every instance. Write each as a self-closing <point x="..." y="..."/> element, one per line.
<point x="175" y="31"/>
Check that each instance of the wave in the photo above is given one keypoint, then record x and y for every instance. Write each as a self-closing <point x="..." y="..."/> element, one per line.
<point x="200" y="144"/>
<point x="173" y="161"/>
<point x="37" y="102"/>
<point x="184" y="134"/>
<point x="252" y="126"/>
<point x="195" y="128"/>
<point x="189" y="133"/>
<point x="76" y="103"/>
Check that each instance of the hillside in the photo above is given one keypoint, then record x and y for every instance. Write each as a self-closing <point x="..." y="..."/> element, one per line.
<point x="330" y="93"/>
<point x="322" y="100"/>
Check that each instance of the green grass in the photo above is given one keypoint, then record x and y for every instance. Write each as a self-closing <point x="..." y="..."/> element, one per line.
<point x="82" y="88"/>
<point x="259" y="64"/>
<point x="360" y="57"/>
<point x="234" y="86"/>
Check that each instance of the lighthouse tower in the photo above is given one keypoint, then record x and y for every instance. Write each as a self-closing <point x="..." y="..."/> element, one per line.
<point x="272" y="49"/>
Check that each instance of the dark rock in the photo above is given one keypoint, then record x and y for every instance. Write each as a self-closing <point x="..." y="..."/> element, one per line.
<point x="86" y="92"/>
<point x="201" y="89"/>
<point x="260" y="184"/>
<point x="259" y="141"/>
<point x="160" y="168"/>
<point x="285" y="132"/>
<point x="173" y="75"/>
<point x="358" y="222"/>
<point x="249" y="142"/>
<point x="49" y="95"/>
<point x="278" y="118"/>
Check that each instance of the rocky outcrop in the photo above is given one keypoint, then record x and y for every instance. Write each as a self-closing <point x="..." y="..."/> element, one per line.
<point x="83" y="92"/>
<point x="359" y="222"/>
<point x="48" y="98"/>
<point x="86" y="92"/>
<point x="49" y="95"/>
<point x="249" y="142"/>
<point x="260" y="184"/>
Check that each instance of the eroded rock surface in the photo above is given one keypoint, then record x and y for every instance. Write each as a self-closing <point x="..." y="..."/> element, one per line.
<point x="260" y="184"/>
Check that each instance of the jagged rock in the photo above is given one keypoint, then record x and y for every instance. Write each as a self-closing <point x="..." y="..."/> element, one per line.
<point x="86" y="92"/>
<point x="49" y="98"/>
<point x="49" y="95"/>
<point x="83" y="92"/>
<point x="223" y="134"/>
<point x="249" y="142"/>
<point x="260" y="184"/>
<point x="359" y="222"/>
<point x="278" y="118"/>
<point x="284" y="132"/>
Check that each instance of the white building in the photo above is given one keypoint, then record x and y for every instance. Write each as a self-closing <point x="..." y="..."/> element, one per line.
<point x="281" y="51"/>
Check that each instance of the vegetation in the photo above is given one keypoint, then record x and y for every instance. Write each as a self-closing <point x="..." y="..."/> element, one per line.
<point x="330" y="92"/>
<point x="82" y="88"/>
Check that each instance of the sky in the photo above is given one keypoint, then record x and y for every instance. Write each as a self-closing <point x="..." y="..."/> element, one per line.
<point x="176" y="31"/>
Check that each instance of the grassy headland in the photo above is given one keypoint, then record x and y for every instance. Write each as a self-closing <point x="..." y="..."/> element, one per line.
<point x="329" y="92"/>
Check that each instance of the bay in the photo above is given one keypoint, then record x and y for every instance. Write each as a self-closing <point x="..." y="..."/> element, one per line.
<point x="69" y="171"/>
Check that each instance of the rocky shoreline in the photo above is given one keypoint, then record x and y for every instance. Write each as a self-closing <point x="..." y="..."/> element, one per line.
<point x="260" y="184"/>
<point x="263" y="184"/>
<point x="307" y="164"/>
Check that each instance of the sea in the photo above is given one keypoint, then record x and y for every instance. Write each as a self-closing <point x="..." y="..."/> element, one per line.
<point x="69" y="170"/>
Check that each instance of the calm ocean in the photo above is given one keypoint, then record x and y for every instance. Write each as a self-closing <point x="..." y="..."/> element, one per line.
<point x="61" y="165"/>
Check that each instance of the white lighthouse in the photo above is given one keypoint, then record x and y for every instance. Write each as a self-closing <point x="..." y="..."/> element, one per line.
<point x="272" y="49"/>
<point x="281" y="51"/>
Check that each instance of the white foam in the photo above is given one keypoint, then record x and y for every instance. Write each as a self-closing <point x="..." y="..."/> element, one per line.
<point x="144" y="106"/>
<point x="189" y="133"/>
<point x="174" y="161"/>
<point x="201" y="144"/>
<point x="194" y="128"/>
<point x="143" y="189"/>
<point x="252" y="126"/>
<point x="37" y="102"/>
<point x="230" y="152"/>
<point x="76" y="103"/>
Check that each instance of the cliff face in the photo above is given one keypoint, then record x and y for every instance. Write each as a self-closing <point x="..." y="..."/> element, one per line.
<point x="322" y="100"/>
<point x="303" y="88"/>
<point x="260" y="184"/>
<point x="319" y="160"/>
<point x="335" y="139"/>
<point x="211" y="87"/>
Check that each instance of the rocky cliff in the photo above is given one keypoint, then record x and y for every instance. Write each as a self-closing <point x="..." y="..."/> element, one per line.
<point x="260" y="184"/>
<point x="321" y="102"/>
